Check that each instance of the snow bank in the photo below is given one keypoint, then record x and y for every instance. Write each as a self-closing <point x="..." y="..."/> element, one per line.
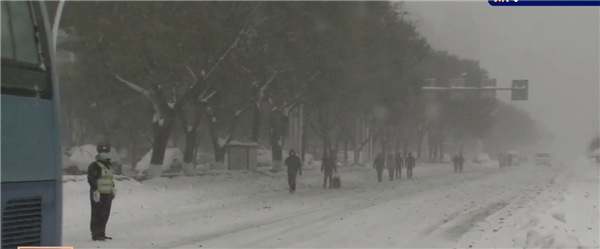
<point x="171" y="154"/>
<point x="66" y="162"/>
<point x="82" y="156"/>
<point x="263" y="158"/>
<point x="572" y="222"/>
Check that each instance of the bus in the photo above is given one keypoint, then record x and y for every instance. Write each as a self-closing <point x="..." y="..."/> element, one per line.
<point x="31" y="152"/>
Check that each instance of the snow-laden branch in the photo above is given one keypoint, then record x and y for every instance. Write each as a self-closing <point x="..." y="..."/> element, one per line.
<point x="193" y="76"/>
<point x="261" y="92"/>
<point x="287" y="107"/>
<point x="136" y="88"/>
<point x="240" y="111"/>
<point x="205" y="99"/>
<point x="224" y="55"/>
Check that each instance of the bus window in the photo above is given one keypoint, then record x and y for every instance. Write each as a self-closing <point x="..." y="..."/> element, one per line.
<point x="7" y="41"/>
<point x="22" y="73"/>
<point x="18" y="30"/>
<point x="24" y="32"/>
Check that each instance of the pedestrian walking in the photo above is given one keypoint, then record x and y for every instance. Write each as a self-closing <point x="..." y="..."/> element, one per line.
<point x="410" y="164"/>
<point x="102" y="191"/>
<point x="399" y="165"/>
<point x="455" y="163"/>
<point x="328" y="166"/>
<point x="294" y="167"/>
<point x="379" y="165"/>
<point x="391" y="166"/>
<point x="461" y="161"/>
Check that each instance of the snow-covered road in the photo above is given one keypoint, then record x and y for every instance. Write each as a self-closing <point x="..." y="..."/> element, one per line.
<point x="436" y="208"/>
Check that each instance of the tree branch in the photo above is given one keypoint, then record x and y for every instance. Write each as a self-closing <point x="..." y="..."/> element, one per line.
<point x="136" y="88"/>
<point x="194" y="90"/>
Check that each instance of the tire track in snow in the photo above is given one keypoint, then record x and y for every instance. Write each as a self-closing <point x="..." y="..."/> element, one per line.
<point x="332" y="211"/>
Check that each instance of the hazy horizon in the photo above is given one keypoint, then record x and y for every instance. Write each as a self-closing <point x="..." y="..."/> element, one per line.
<point x="555" y="48"/>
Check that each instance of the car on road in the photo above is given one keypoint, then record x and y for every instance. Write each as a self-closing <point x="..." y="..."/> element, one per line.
<point x="543" y="158"/>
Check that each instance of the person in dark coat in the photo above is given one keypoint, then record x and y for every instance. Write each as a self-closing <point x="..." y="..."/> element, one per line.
<point x="391" y="166"/>
<point x="102" y="191"/>
<point x="294" y="167"/>
<point x="328" y="166"/>
<point x="455" y="163"/>
<point x="461" y="161"/>
<point x="410" y="164"/>
<point x="399" y="165"/>
<point x="379" y="165"/>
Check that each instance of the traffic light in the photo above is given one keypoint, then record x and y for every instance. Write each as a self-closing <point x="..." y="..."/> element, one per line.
<point x="456" y="94"/>
<point x="520" y="89"/>
<point x="488" y="94"/>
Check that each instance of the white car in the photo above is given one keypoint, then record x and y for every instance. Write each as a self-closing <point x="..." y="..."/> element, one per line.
<point x="543" y="158"/>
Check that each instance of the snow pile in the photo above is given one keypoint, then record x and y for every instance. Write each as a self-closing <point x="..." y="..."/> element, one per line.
<point x="264" y="158"/>
<point x="171" y="154"/>
<point x="82" y="156"/>
<point x="66" y="162"/>
<point x="572" y="222"/>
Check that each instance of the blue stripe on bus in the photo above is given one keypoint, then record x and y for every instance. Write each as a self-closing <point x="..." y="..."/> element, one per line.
<point x="28" y="139"/>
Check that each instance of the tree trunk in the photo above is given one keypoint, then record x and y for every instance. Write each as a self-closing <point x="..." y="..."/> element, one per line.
<point x="276" y="148"/>
<point x="133" y="155"/>
<point x="345" y="150"/>
<point x="304" y="134"/>
<point x="384" y="146"/>
<point x="325" y="149"/>
<point x="190" y="145"/>
<point x="419" y="145"/>
<point x="441" y="149"/>
<point x="218" y="149"/>
<point x="277" y="122"/>
<point x="162" y="133"/>
<point x="256" y="123"/>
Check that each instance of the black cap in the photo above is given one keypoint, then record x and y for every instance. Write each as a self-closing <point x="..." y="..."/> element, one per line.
<point x="103" y="147"/>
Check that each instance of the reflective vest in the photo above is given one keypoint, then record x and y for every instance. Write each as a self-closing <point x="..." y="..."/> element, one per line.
<point x="105" y="183"/>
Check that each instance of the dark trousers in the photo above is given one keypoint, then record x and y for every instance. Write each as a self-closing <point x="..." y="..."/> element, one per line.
<point x="460" y="167"/>
<point x="292" y="181"/>
<point x="398" y="172"/>
<point x="391" y="172"/>
<point x="379" y="173"/>
<point x="100" y="214"/>
<point x="409" y="172"/>
<point x="328" y="176"/>
<point x="456" y="168"/>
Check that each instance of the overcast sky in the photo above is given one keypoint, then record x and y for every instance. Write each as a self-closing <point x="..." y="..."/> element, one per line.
<point x="555" y="48"/>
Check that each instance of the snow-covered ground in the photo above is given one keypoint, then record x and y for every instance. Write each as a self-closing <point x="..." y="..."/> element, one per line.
<point x="483" y="207"/>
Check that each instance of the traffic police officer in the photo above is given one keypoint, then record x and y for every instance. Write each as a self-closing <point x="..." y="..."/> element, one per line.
<point x="102" y="191"/>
